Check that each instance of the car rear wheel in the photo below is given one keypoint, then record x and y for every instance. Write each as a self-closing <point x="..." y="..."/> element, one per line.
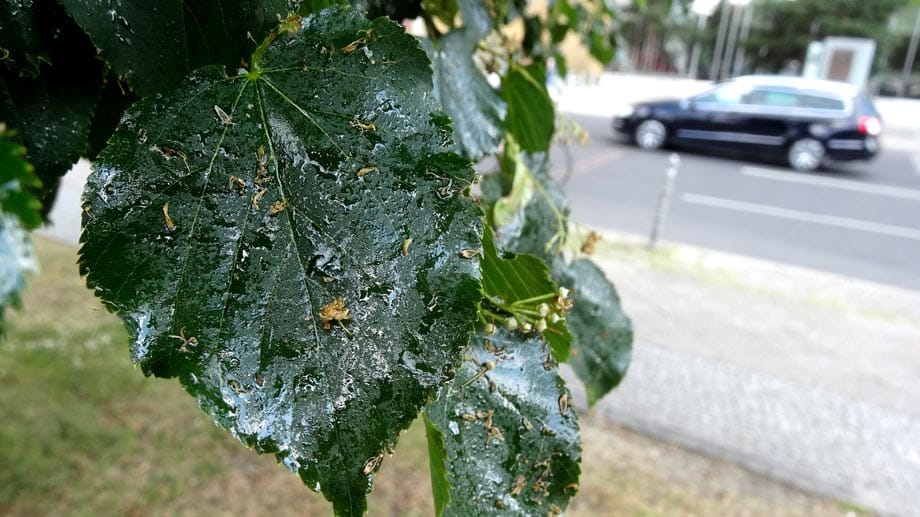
<point x="651" y="134"/>
<point x="806" y="154"/>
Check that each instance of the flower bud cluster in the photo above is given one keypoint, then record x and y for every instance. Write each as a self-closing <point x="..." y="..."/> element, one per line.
<point x="536" y="319"/>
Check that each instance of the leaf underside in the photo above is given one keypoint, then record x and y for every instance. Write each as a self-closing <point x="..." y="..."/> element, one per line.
<point x="510" y="439"/>
<point x="226" y="219"/>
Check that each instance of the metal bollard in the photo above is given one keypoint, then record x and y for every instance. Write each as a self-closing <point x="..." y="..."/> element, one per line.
<point x="664" y="202"/>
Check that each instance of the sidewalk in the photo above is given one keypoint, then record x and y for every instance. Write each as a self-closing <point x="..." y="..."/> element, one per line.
<point x="807" y="377"/>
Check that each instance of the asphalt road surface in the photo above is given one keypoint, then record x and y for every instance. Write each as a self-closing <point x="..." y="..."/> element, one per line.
<point x="859" y="219"/>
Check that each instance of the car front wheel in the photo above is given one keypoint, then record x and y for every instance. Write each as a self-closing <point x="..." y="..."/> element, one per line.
<point x="651" y="134"/>
<point x="806" y="154"/>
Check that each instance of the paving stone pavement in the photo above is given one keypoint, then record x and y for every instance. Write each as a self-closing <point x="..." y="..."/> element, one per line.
<point x="819" y="441"/>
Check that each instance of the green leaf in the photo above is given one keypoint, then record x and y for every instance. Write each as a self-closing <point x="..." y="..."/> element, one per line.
<point x="243" y="211"/>
<point x="602" y="43"/>
<point x="154" y="46"/>
<point x="475" y="107"/>
<point x="602" y="347"/>
<point x="17" y="183"/>
<point x="511" y="444"/>
<point x="530" y="116"/>
<point x="601" y="332"/>
<point x="16" y="258"/>
<point x="516" y="286"/>
<point x="437" y="455"/>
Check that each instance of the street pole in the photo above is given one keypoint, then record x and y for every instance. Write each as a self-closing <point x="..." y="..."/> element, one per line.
<point x="664" y="201"/>
<point x="720" y="43"/>
<point x="911" y="55"/>
<point x="738" y="66"/>
<point x="694" y="67"/>
<point x="732" y="40"/>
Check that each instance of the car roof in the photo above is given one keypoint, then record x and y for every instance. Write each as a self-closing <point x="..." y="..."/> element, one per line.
<point x="800" y="83"/>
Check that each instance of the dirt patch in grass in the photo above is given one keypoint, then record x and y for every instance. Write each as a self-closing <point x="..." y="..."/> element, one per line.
<point x="84" y="433"/>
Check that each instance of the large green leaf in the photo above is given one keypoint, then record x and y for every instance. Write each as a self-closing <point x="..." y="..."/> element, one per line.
<point x="509" y="436"/>
<point x="154" y="45"/>
<point x="538" y="224"/>
<point x="475" y="107"/>
<point x="531" y="116"/>
<point x="293" y="244"/>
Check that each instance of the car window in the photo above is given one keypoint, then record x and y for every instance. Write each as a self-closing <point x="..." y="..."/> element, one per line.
<point x="728" y="94"/>
<point x="773" y="98"/>
<point x="821" y="102"/>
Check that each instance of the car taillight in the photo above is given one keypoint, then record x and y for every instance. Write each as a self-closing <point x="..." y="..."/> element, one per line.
<point x="870" y="126"/>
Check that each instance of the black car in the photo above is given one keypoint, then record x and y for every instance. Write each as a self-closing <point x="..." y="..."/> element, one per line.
<point x="805" y="122"/>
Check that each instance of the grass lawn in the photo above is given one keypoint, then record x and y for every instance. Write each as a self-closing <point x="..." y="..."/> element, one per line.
<point x="83" y="432"/>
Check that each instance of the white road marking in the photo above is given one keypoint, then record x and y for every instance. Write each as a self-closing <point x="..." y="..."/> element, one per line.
<point x="808" y="217"/>
<point x="837" y="183"/>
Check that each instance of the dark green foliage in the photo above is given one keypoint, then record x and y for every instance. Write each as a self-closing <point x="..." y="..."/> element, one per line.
<point x="225" y="218"/>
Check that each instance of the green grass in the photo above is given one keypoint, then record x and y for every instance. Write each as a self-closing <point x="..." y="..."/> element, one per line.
<point x="83" y="432"/>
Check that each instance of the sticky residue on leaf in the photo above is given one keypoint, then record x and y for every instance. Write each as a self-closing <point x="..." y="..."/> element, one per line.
<point x="334" y="311"/>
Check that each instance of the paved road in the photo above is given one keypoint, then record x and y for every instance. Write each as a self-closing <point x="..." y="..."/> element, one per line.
<point x="860" y="220"/>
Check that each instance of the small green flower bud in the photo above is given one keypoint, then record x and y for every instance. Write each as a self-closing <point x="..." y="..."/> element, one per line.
<point x="511" y="323"/>
<point x="541" y="325"/>
<point x="490" y="329"/>
<point x="543" y="309"/>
